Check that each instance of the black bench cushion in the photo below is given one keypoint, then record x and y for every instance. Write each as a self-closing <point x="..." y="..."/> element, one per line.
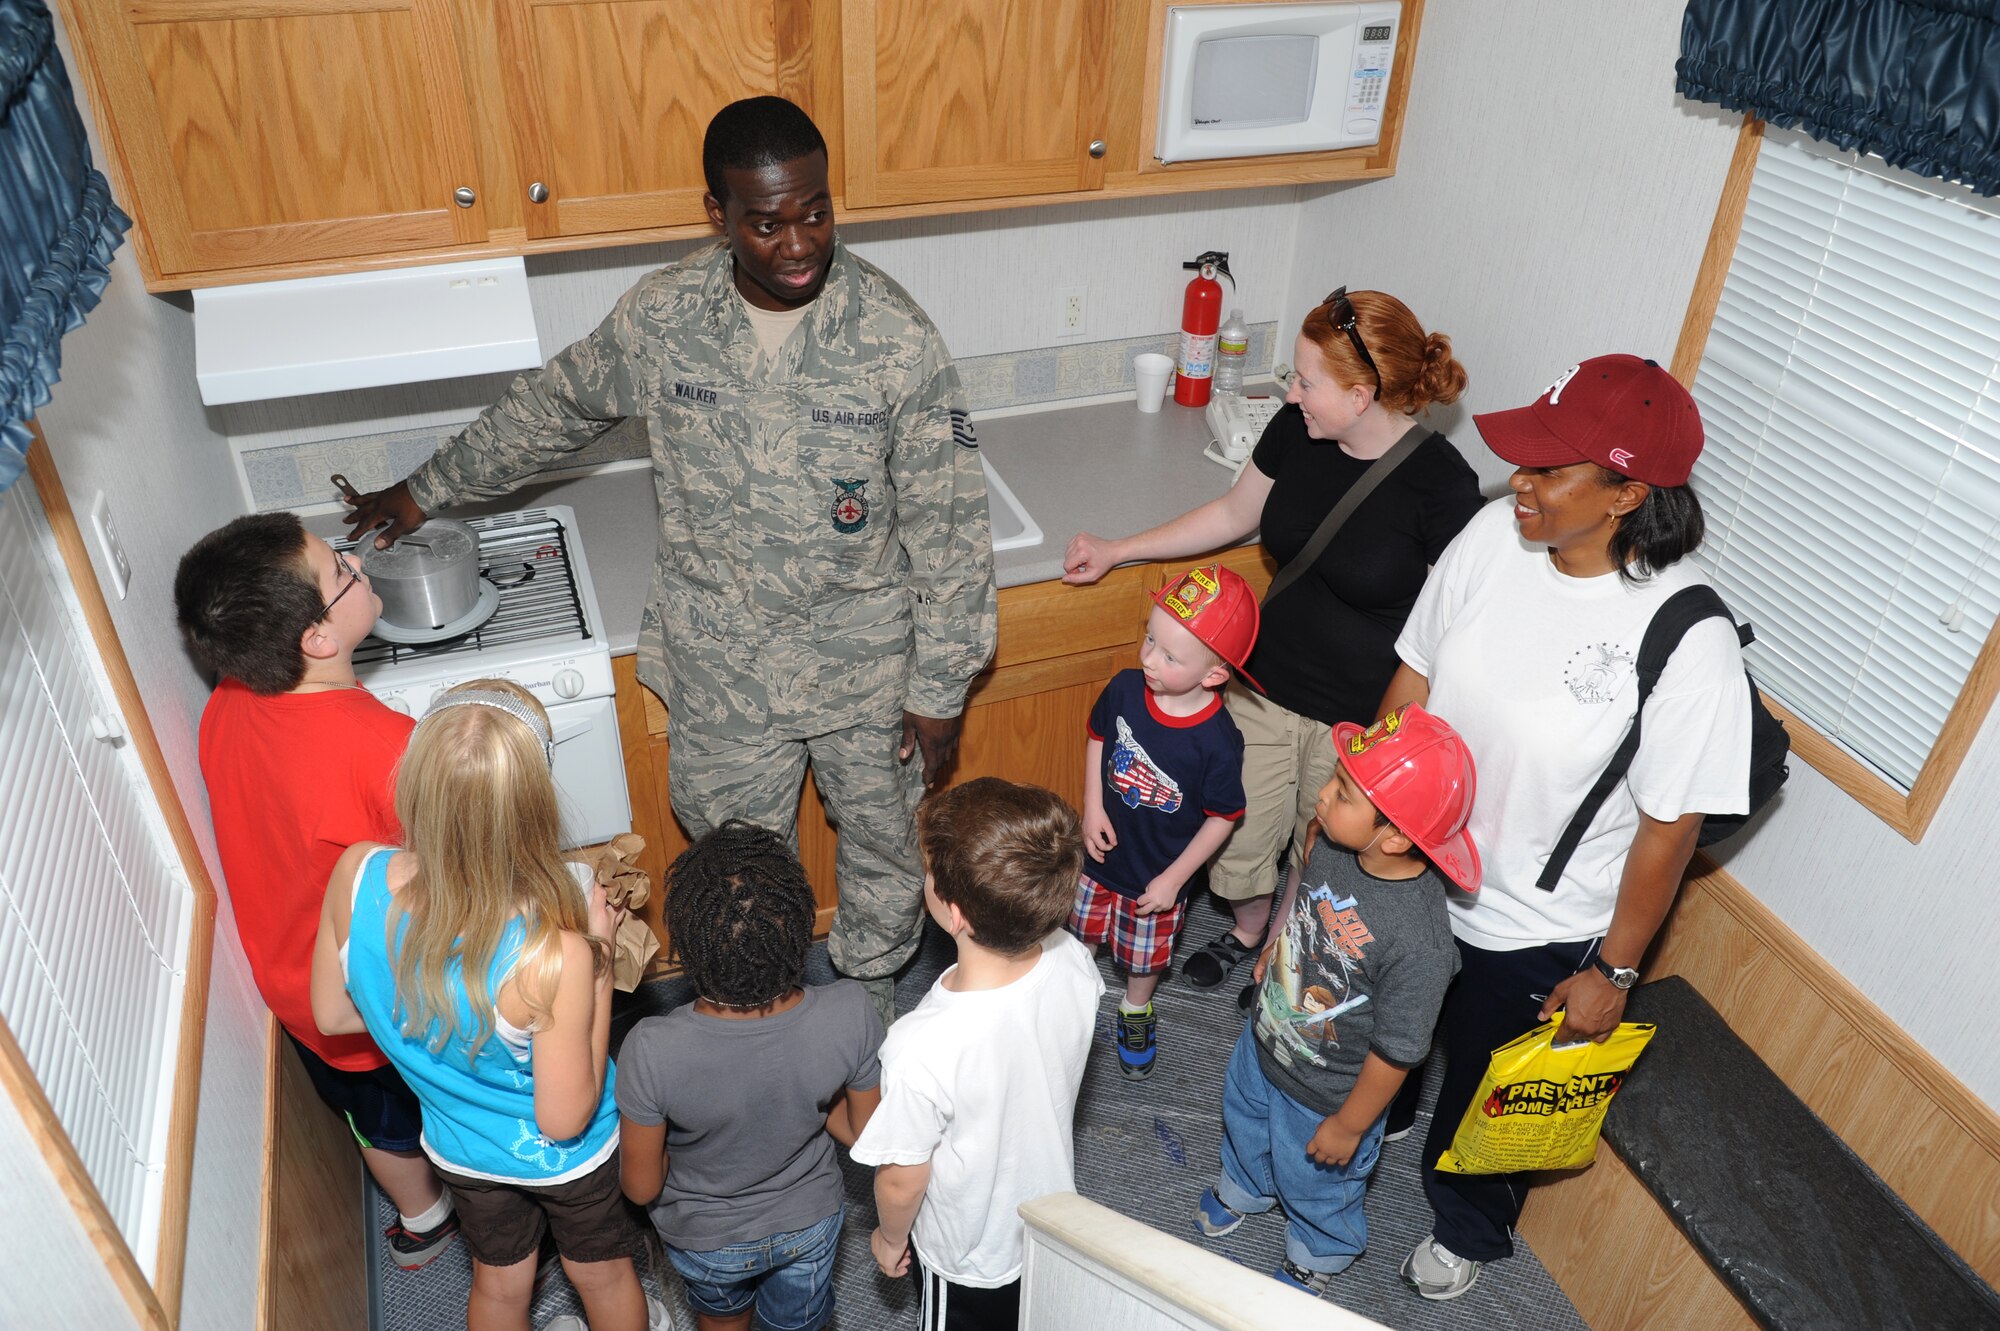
<point x="1799" y="1228"/>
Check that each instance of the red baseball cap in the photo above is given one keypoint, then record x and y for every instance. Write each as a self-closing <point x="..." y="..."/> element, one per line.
<point x="1620" y="412"/>
<point x="1218" y="607"/>
<point x="1418" y="773"/>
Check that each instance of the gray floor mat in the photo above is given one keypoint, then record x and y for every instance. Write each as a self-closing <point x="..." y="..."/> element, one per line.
<point x="1146" y="1149"/>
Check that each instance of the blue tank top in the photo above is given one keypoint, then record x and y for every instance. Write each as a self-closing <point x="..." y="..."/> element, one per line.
<point x="479" y="1110"/>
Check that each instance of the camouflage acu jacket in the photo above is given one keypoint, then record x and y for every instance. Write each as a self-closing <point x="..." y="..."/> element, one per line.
<point x="824" y="552"/>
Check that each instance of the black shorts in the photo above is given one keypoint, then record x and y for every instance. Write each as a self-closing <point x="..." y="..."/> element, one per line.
<point x="502" y="1223"/>
<point x="380" y="1108"/>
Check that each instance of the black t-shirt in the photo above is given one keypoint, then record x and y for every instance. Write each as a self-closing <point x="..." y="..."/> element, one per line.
<point x="1327" y="646"/>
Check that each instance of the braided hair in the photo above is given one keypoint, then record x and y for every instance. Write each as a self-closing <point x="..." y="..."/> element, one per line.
<point x="740" y="915"/>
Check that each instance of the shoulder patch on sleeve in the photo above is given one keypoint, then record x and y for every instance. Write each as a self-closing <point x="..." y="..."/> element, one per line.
<point x="961" y="429"/>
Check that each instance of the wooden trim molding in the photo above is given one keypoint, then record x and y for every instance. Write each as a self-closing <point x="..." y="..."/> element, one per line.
<point x="1909" y="812"/>
<point x="17" y="1081"/>
<point x="172" y="1256"/>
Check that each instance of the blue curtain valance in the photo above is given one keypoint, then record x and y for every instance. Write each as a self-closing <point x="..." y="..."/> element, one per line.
<point x="1915" y="81"/>
<point x="58" y="225"/>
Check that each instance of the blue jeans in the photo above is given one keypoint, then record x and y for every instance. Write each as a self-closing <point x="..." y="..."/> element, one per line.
<point x="1264" y="1163"/>
<point x="788" y="1276"/>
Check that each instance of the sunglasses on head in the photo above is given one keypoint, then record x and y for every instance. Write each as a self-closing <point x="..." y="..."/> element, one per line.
<point x="1343" y="317"/>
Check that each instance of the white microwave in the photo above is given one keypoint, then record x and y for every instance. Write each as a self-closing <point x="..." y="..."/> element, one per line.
<point x="1255" y="80"/>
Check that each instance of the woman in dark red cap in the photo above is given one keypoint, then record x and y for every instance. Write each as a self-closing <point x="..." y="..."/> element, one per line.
<point x="1525" y="639"/>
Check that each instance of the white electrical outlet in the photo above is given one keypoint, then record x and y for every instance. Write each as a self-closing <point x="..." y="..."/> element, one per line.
<point x="108" y="544"/>
<point x="1069" y="320"/>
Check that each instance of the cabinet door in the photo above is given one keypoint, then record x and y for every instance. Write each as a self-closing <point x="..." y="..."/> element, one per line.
<point x="258" y="132"/>
<point x="610" y="99"/>
<point x="972" y="99"/>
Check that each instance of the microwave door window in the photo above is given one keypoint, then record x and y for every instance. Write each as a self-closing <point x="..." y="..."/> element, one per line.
<point x="1253" y="82"/>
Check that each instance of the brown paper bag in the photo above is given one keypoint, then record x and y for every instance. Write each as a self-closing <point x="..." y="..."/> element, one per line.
<point x="615" y="865"/>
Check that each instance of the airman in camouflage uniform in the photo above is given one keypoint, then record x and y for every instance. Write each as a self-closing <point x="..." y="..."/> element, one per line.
<point x="824" y="566"/>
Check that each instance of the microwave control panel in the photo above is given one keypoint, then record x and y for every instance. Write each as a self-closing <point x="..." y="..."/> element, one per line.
<point x="1368" y="78"/>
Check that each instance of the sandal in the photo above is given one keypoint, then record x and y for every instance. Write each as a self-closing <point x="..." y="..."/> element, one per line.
<point x="1217" y="958"/>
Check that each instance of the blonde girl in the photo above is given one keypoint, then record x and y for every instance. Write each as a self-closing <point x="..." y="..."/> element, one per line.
<point x="482" y="969"/>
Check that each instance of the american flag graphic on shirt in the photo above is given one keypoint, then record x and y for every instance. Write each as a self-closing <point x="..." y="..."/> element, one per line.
<point x="1137" y="778"/>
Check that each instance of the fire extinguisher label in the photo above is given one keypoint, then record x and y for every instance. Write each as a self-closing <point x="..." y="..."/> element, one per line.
<point x="1197" y="355"/>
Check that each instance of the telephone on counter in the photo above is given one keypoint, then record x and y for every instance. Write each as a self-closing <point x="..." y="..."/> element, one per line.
<point x="1237" y="424"/>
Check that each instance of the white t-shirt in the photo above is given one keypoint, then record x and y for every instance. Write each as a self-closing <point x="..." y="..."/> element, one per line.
<point x="1535" y="669"/>
<point x="983" y="1085"/>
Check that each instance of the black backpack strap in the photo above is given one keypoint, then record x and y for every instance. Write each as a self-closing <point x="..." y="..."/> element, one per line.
<point x="1670" y="623"/>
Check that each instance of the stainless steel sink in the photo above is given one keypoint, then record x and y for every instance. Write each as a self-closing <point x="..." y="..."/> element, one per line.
<point x="1013" y="529"/>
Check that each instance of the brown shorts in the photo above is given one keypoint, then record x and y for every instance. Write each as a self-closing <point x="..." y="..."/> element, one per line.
<point x="502" y="1223"/>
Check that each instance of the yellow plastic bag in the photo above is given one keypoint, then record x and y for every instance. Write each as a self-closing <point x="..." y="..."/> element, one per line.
<point x="1540" y="1105"/>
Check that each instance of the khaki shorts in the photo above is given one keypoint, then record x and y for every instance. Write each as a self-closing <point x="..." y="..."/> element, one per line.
<point x="1286" y="759"/>
<point x="502" y="1223"/>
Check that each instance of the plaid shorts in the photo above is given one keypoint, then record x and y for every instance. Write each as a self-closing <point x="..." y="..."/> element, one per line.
<point x="1140" y="944"/>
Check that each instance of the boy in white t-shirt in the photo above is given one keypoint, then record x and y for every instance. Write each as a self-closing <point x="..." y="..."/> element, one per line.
<point x="979" y="1083"/>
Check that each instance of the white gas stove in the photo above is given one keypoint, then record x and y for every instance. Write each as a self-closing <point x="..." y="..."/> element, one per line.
<point x="547" y="636"/>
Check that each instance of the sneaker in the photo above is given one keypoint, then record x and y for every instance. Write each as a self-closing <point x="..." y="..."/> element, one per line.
<point x="1138" y="1042"/>
<point x="1216" y="959"/>
<point x="1395" y="1132"/>
<point x="411" y="1250"/>
<point x="1311" y="1282"/>
<point x="1436" y="1272"/>
<point x="657" y="1319"/>
<point x="1214" y="1219"/>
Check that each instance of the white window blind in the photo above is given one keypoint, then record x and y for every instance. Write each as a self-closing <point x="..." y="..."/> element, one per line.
<point x="95" y="908"/>
<point x="1851" y="394"/>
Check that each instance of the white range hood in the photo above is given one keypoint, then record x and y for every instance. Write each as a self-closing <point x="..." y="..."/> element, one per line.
<point x="362" y="330"/>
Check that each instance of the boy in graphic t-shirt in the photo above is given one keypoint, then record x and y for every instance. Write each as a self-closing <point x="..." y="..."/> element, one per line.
<point x="1163" y="787"/>
<point x="1349" y="990"/>
<point x="300" y="763"/>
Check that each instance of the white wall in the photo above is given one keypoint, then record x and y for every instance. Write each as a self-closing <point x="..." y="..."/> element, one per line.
<point x="990" y="281"/>
<point x="125" y="419"/>
<point x="1552" y="202"/>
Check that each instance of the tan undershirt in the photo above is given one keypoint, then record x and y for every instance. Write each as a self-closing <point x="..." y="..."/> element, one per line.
<point x="773" y="327"/>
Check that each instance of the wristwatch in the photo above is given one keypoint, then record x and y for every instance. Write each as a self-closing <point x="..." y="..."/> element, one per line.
<point x="1621" y="977"/>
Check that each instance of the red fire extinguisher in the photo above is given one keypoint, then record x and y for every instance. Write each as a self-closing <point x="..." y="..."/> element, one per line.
<point x="1201" y="315"/>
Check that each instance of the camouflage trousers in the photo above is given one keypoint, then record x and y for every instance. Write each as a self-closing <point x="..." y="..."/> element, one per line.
<point x="871" y="799"/>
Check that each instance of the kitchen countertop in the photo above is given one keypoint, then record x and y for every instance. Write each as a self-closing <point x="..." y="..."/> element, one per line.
<point x="1105" y="468"/>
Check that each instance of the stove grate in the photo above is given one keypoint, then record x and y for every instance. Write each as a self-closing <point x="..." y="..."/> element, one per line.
<point x="527" y="556"/>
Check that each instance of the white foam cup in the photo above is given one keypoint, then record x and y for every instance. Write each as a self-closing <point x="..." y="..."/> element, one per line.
<point x="1151" y="372"/>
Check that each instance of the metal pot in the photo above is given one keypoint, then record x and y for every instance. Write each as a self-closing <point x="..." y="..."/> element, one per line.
<point x="429" y="578"/>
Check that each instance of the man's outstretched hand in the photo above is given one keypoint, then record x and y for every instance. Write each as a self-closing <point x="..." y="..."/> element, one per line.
<point x="393" y="510"/>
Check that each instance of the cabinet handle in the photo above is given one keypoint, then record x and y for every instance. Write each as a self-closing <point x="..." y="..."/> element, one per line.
<point x="464" y="197"/>
<point x="1098" y="147"/>
<point x="538" y="193"/>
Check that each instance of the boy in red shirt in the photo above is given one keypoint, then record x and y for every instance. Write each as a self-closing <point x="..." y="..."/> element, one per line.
<point x="300" y="763"/>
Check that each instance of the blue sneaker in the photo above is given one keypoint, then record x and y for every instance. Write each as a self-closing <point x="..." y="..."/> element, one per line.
<point x="1138" y="1042"/>
<point x="1309" y="1282"/>
<point x="1212" y="1218"/>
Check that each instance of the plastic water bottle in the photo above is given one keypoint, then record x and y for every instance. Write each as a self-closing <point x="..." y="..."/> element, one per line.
<point x="1232" y="349"/>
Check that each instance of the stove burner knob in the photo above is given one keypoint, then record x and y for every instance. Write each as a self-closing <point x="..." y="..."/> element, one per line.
<point x="568" y="683"/>
<point x="398" y="705"/>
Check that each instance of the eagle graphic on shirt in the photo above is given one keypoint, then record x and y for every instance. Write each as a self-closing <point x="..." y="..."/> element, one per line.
<point x="1137" y="778"/>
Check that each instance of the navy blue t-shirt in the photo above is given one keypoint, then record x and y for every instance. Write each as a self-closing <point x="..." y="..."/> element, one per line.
<point x="1163" y="777"/>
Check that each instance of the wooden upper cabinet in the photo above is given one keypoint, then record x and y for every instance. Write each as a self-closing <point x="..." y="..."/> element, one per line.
<point x="972" y="99"/>
<point x="610" y="98"/>
<point x="265" y="132"/>
<point x="257" y="139"/>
